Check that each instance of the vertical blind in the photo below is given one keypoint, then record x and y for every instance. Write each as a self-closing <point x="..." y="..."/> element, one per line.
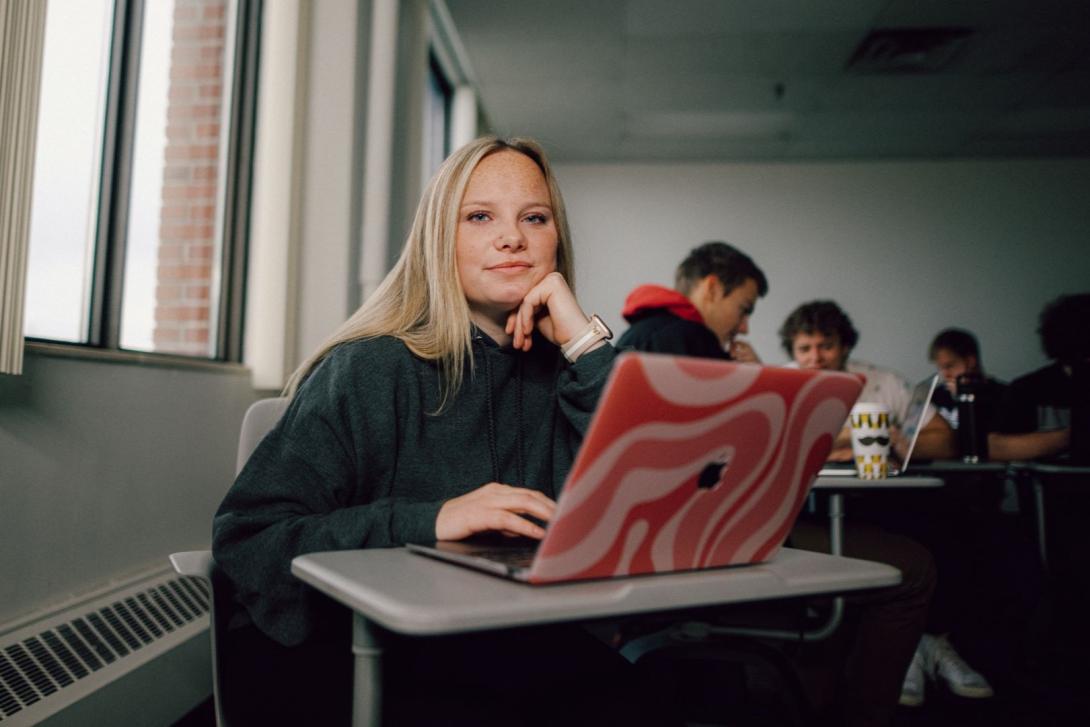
<point x="22" y="36"/>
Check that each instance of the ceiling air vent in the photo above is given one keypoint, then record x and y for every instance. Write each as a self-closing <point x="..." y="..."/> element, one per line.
<point x="908" y="50"/>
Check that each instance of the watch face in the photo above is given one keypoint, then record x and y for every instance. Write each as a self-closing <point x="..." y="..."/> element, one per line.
<point x="601" y="327"/>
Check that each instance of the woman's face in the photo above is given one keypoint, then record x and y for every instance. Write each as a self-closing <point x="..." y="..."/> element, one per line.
<point x="506" y="238"/>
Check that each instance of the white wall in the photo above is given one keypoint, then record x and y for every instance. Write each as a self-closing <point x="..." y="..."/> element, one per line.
<point x="106" y="469"/>
<point x="906" y="248"/>
<point x="328" y="240"/>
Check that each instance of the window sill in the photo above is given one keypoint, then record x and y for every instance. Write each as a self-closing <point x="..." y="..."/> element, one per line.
<point x="138" y="358"/>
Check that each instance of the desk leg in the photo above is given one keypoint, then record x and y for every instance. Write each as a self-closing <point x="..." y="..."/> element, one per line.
<point x="836" y="524"/>
<point x="367" y="684"/>
<point x="1039" y="511"/>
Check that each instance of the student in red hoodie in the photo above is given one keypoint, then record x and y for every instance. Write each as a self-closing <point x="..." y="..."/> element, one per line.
<point x="715" y="291"/>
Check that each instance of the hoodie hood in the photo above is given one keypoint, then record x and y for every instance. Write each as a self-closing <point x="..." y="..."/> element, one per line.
<point x="648" y="299"/>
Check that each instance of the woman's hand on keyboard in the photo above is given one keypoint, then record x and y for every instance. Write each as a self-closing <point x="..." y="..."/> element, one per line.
<point x="494" y="507"/>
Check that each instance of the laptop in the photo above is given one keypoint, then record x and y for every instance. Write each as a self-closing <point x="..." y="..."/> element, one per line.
<point x="910" y="428"/>
<point x="688" y="463"/>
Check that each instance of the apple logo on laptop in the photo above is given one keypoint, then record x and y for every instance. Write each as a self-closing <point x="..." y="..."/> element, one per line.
<point x="712" y="474"/>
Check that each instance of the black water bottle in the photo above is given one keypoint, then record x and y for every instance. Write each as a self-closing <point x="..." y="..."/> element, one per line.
<point x="972" y="430"/>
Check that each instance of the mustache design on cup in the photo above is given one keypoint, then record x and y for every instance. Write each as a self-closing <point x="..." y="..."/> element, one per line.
<point x="870" y="423"/>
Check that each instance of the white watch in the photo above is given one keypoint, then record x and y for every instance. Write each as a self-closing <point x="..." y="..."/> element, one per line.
<point x="596" y="331"/>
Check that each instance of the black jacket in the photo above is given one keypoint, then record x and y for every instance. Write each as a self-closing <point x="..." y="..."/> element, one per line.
<point x="663" y="332"/>
<point x="665" y="321"/>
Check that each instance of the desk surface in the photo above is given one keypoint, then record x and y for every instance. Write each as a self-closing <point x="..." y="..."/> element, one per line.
<point x="849" y="482"/>
<point x="1050" y="468"/>
<point x="413" y="594"/>
<point x="940" y="467"/>
<point x="956" y="466"/>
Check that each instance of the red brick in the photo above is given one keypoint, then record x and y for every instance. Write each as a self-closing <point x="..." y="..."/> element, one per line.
<point x="184" y="12"/>
<point x="181" y="313"/>
<point x="203" y="212"/>
<point x="202" y="253"/>
<point x="205" y="172"/>
<point x="208" y="132"/>
<point x="187" y="232"/>
<point x="197" y="292"/>
<point x="195" y="191"/>
<point x="195" y="111"/>
<point x="175" y="173"/>
<point x="181" y="92"/>
<point x="165" y="293"/>
<point x="185" y="272"/>
<point x="186" y="152"/>
<point x="174" y="212"/>
<point x="172" y="253"/>
<point x="198" y="32"/>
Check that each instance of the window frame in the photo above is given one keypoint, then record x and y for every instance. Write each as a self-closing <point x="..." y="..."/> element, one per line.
<point x="437" y="72"/>
<point x="115" y="176"/>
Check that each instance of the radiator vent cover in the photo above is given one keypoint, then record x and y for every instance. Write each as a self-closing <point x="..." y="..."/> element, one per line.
<point x="53" y="661"/>
<point x="908" y="50"/>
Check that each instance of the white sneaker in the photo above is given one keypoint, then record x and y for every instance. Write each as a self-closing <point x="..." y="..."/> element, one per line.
<point x="962" y="679"/>
<point x="912" y="689"/>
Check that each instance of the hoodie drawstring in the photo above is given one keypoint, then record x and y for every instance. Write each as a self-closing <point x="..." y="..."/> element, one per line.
<point x="493" y="448"/>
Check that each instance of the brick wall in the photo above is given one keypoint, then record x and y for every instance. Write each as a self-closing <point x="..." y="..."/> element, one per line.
<point x="189" y="242"/>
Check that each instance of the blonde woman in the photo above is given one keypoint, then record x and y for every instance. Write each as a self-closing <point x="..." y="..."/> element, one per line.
<point x="450" y="404"/>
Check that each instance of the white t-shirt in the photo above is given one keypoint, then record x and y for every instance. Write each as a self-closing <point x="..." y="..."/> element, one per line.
<point x="885" y="386"/>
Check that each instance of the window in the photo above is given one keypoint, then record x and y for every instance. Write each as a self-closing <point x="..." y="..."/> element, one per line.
<point x="436" y="118"/>
<point x="137" y="233"/>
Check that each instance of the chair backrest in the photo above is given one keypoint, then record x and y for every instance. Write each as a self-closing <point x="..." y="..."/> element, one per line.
<point x="260" y="418"/>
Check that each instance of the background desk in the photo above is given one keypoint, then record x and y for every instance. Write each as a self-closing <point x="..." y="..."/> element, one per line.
<point x="1039" y="473"/>
<point x="837" y="486"/>
<point x="414" y="595"/>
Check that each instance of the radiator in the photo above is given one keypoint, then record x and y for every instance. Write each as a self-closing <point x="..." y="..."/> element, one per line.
<point x="51" y="660"/>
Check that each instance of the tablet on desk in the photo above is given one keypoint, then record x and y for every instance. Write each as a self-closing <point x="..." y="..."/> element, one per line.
<point x="688" y="464"/>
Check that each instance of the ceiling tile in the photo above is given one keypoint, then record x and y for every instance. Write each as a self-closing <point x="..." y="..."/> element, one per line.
<point x="658" y="19"/>
<point x="984" y="13"/>
<point x="712" y="92"/>
<point x="699" y="79"/>
<point x="909" y="92"/>
<point x="763" y="54"/>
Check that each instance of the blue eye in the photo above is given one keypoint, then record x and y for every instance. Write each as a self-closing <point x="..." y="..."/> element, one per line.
<point x="537" y="218"/>
<point x="478" y="217"/>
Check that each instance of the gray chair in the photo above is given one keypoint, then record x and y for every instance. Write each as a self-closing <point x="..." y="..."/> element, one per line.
<point x="260" y="418"/>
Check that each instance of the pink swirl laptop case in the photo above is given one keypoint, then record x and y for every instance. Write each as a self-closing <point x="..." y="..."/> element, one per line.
<point x="691" y="463"/>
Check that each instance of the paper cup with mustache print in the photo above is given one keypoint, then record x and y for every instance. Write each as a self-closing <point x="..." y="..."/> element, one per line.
<point x="870" y="440"/>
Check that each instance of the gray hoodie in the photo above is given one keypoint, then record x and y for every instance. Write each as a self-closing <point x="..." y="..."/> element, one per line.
<point x="360" y="460"/>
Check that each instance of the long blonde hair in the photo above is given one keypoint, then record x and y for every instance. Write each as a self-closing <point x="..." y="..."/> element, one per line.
<point x="421" y="300"/>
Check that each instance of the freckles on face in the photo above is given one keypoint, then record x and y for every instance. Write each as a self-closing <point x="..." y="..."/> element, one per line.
<point x="506" y="239"/>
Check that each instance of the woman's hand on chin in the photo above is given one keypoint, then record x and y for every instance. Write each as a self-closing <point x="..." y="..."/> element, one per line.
<point x="552" y="308"/>
<point x="494" y="507"/>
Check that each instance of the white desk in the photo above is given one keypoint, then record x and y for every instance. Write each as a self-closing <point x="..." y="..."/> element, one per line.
<point x="837" y="486"/>
<point x="411" y="594"/>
